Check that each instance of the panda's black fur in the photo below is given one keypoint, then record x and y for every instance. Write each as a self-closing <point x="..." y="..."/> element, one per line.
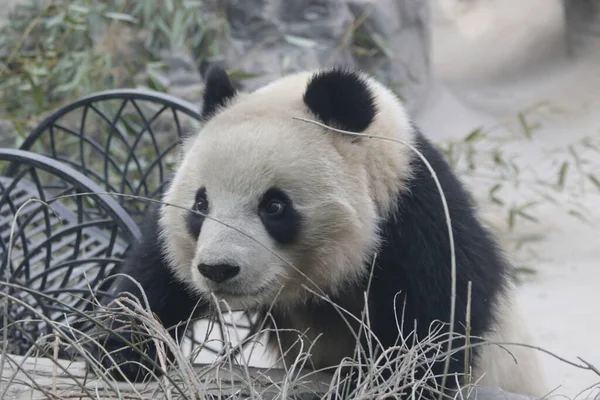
<point x="341" y="98"/>
<point x="217" y="92"/>
<point x="414" y="258"/>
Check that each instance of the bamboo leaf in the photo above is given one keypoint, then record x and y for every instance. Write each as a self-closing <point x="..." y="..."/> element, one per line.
<point x="512" y="215"/>
<point x="578" y="215"/>
<point x="492" y="194"/>
<point x="169" y="5"/>
<point x="300" y="41"/>
<point x="525" y="270"/>
<point x="239" y="75"/>
<point x="121" y="17"/>
<point x="473" y="135"/>
<point x="381" y="44"/>
<point x="192" y="4"/>
<point x="562" y="174"/>
<point x="526" y="126"/>
<point x="594" y="180"/>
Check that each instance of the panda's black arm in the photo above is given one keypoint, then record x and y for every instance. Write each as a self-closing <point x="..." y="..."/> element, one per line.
<point x="167" y="298"/>
<point x="414" y="262"/>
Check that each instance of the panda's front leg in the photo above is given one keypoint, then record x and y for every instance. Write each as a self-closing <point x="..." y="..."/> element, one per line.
<point x="169" y="300"/>
<point x="135" y="354"/>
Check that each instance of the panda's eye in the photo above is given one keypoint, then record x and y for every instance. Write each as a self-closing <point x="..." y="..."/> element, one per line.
<point x="274" y="204"/>
<point x="201" y="205"/>
<point x="201" y="202"/>
<point x="193" y="219"/>
<point x="274" y="208"/>
<point x="279" y="216"/>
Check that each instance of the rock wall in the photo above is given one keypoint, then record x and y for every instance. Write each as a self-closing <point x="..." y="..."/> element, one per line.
<point x="387" y="38"/>
<point x="582" y="18"/>
<point x="265" y="39"/>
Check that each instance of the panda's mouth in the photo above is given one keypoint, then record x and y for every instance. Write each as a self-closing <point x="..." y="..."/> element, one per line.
<point x="229" y="291"/>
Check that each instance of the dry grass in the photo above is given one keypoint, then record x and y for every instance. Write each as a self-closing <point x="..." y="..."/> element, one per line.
<point x="180" y="379"/>
<point x="37" y="77"/>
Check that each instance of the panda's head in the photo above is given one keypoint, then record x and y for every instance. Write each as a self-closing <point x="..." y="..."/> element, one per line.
<point x="287" y="203"/>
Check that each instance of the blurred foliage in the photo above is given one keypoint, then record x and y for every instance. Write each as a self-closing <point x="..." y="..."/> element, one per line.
<point x="55" y="51"/>
<point x="513" y="188"/>
<point x="52" y="52"/>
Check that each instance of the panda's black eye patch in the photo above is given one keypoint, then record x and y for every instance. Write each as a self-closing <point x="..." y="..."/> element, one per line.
<point x="194" y="220"/>
<point x="277" y="213"/>
<point x="201" y="202"/>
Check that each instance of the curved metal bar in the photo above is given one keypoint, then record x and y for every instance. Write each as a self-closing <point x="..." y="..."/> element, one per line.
<point x="48" y="256"/>
<point x="125" y="94"/>
<point x="109" y="131"/>
<point x="114" y="149"/>
<point x="76" y="179"/>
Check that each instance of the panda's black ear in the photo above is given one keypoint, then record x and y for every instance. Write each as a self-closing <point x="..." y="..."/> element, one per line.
<point x="218" y="90"/>
<point x="342" y="99"/>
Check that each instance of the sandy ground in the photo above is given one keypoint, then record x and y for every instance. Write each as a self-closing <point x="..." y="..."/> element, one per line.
<point x="495" y="58"/>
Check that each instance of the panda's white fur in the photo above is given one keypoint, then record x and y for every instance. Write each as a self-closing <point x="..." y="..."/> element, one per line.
<point x="344" y="191"/>
<point x="512" y="364"/>
<point x="342" y="212"/>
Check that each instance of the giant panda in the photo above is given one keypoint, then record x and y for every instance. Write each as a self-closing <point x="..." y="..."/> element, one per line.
<point x="268" y="211"/>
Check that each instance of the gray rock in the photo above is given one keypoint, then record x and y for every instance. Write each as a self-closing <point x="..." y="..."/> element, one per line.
<point x="182" y="76"/>
<point x="266" y="39"/>
<point x="269" y="39"/>
<point x="583" y="25"/>
<point x="7" y="134"/>
<point x="404" y="63"/>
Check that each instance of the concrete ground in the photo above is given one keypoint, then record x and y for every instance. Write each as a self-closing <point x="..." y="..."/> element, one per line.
<point x="495" y="58"/>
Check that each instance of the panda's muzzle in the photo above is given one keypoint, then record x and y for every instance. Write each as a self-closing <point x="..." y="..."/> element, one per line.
<point x="218" y="273"/>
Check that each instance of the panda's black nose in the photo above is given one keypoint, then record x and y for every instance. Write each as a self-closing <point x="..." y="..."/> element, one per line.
<point x="218" y="273"/>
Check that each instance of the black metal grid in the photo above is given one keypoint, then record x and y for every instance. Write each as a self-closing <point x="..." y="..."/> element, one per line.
<point x="125" y="142"/>
<point x="61" y="251"/>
